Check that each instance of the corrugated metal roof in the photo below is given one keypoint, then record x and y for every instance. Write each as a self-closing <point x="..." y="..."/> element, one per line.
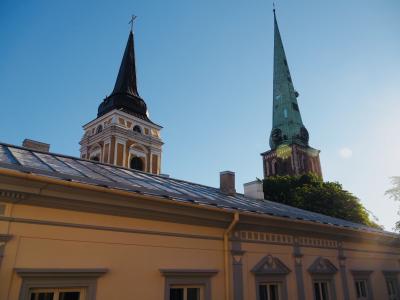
<point x="94" y="173"/>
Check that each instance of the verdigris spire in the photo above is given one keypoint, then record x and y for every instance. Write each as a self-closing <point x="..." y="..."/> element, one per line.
<point x="125" y="95"/>
<point x="287" y="126"/>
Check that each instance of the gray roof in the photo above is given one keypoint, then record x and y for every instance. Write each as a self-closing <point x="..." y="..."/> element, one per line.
<point x="89" y="172"/>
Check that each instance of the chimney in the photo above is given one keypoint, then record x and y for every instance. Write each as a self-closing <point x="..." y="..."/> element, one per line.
<point x="35" y="145"/>
<point x="227" y="182"/>
<point x="254" y="189"/>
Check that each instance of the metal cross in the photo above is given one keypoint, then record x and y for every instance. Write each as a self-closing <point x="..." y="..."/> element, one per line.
<point x="132" y="20"/>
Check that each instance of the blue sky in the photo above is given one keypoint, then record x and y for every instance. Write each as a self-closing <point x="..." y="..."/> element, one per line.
<point x="205" y="72"/>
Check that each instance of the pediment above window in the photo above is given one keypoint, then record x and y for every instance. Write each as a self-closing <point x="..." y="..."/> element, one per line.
<point x="270" y="265"/>
<point x="322" y="266"/>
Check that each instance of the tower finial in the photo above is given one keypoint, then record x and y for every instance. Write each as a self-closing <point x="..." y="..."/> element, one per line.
<point x="131" y="21"/>
<point x="273" y="7"/>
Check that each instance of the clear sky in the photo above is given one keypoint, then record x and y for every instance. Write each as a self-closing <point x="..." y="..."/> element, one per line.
<point x="205" y="72"/>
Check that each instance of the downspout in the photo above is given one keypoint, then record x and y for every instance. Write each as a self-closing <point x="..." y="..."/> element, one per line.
<point x="226" y="254"/>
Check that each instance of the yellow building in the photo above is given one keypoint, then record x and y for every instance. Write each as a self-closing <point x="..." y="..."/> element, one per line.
<point x="108" y="226"/>
<point x="76" y="229"/>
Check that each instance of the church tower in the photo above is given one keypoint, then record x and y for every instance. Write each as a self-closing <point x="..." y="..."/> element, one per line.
<point x="122" y="134"/>
<point x="290" y="152"/>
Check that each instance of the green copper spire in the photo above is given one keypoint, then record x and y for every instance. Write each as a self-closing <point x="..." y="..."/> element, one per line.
<point x="287" y="126"/>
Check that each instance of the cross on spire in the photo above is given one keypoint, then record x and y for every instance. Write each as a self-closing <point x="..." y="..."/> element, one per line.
<point x="133" y="18"/>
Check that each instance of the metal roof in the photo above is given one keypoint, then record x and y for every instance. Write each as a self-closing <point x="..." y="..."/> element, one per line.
<point x="94" y="173"/>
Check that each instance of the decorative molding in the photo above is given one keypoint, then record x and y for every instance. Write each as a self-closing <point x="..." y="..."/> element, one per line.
<point x="237" y="256"/>
<point x="108" y="228"/>
<point x="60" y="272"/>
<point x="298" y="265"/>
<point x="322" y="266"/>
<point x="314" y="242"/>
<point x="12" y="194"/>
<point x="237" y="270"/>
<point x="361" y="273"/>
<point x="391" y="273"/>
<point x="263" y="237"/>
<point x="277" y="238"/>
<point x="343" y="272"/>
<point x="188" y="272"/>
<point x="270" y="265"/>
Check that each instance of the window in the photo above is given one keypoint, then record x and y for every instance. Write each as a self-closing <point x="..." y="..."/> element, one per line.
<point x="185" y="293"/>
<point x="270" y="276"/>
<point x="137" y="163"/>
<point x="392" y="284"/>
<point x="189" y="284"/>
<point x="361" y="289"/>
<point x="269" y="291"/>
<point x="295" y="106"/>
<point x="392" y="289"/>
<point x="99" y="129"/>
<point x="57" y="294"/>
<point x="362" y="286"/>
<point x="323" y="271"/>
<point x="66" y="284"/>
<point x="137" y="129"/>
<point x="321" y="290"/>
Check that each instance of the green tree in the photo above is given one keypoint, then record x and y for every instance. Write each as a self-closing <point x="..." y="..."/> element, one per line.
<point x="309" y="192"/>
<point x="394" y="193"/>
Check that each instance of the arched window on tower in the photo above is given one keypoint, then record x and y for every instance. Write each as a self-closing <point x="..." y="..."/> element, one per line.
<point x="95" y="158"/>
<point x="99" y="129"/>
<point x="137" y="129"/>
<point x="137" y="163"/>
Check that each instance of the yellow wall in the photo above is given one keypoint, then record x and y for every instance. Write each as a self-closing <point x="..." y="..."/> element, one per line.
<point x="134" y="259"/>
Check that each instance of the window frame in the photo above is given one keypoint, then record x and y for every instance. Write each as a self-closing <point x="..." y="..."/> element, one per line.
<point x="58" y="291"/>
<point x="280" y="280"/>
<point x="186" y="277"/>
<point x="392" y="275"/>
<point x="186" y="287"/>
<point x="271" y="269"/>
<point x="330" y="282"/>
<point x="363" y="275"/>
<point x="59" y="279"/>
<point x="322" y="269"/>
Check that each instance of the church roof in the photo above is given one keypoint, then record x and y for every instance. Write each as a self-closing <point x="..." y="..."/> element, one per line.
<point x="94" y="173"/>
<point x="287" y="125"/>
<point x="125" y="95"/>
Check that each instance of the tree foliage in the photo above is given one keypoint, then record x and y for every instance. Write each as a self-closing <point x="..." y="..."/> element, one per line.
<point x="394" y="193"/>
<point x="309" y="192"/>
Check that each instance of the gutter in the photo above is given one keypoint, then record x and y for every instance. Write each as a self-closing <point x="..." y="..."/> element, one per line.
<point x="226" y="254"/>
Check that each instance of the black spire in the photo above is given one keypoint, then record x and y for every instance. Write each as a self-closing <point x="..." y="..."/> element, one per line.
<point x="125" y="95"/>
<point x="126" y="80"/>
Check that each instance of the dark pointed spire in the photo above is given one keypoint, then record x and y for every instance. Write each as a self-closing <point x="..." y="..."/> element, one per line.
<point x="287" y="125"/>
<point x="126" y="80"/>
<point x="125" y="95"/>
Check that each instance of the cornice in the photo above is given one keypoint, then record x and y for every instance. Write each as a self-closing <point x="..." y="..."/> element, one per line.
<point x="73" y="196"/>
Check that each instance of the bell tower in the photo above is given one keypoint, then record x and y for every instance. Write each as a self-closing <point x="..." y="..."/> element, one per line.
<point x="290" y="152"/>
<point x="122" y="134"/>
